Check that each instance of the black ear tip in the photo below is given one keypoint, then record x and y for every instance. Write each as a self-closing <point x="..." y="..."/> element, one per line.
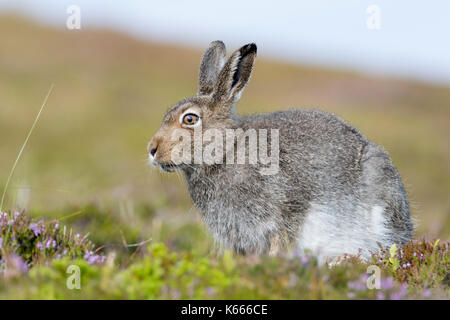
<point x="252" y="47"/>
<point x="248" y="49"/>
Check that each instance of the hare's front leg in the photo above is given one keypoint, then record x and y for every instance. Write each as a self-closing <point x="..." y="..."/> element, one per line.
<point x="275" y="246"/>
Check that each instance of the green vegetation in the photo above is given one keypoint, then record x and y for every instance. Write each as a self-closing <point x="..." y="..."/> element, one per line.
<point x="85" y="166"/>
<point x="419" y="270"/>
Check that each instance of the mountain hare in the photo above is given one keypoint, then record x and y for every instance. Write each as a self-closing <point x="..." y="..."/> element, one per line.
<point x="333" y="192"/>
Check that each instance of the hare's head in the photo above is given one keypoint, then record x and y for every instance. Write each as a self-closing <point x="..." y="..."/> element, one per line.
<point x="220" y="85"/>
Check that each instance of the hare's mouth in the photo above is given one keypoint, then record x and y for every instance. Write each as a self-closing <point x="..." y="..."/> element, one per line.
<point x="168" y="167"/>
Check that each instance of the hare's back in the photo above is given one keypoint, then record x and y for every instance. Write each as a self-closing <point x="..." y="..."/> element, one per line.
<point x="307" y="124"/>
<point x="315" y="145"/>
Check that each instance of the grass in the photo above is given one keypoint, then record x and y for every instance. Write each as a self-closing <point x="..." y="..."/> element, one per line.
<point x="23" y="147"/>
<point x="86" y="168"/>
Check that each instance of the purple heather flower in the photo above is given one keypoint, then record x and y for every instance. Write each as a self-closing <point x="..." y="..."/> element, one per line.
<point x="87" y="255"/>
<point x="360" y="284"/>
<point x="18" y="263"/>
<point x="210" y="291"/>
<point x="1" y="242"/>
<point x="400" y="294"/>
<point x="406" y="265"/>
<point x="356" y="285"/>
<point x="21" y="265"/>
<point x="380" y="295"/>
<point x="351" y="295"/>
<point x="36" y="230"/>
<point x="3" y="218"/>
<point x="302" y="257"/>
<point x="396" y="296"/>
<point x="304" y="260"/>
<point x="387" y="283"/>
<point x="49" y="243"/>
<point x="426" y="293"/>
<point x="40" y="246"/>
<point x="92" y="259"/>
<point x="176" y="294"/>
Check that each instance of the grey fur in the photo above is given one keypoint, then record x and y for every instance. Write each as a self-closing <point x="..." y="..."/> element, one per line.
<point x="212" y="62"/>
<point x="336" y="192"/>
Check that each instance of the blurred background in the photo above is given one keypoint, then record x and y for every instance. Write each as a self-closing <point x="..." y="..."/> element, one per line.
<point x="384" y="66"/>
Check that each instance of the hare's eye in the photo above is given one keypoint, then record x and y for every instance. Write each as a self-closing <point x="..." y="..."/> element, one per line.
<point x="190" y="119"/>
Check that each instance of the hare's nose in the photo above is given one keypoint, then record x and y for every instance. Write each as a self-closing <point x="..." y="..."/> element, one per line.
<point x="152" y="148"/>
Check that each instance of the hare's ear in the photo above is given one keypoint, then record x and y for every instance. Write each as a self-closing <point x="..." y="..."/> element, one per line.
<point x="212" y="62"/>
<point x="235" y="74"/>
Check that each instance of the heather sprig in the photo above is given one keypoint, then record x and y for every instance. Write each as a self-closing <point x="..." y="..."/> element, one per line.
<point x="29" y="242"/>
<point x="423" y="263"/>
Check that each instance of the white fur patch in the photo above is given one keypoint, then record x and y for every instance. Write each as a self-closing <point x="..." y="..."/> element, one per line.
<point x="377" y="218"/>
<point x="329" y="233"/>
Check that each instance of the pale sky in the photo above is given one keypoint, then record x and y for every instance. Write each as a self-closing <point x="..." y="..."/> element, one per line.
<point x="413" y="39"/>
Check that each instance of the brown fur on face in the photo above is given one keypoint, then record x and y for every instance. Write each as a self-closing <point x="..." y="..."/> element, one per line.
<point x="210" y="116"/>
<point x="162" y="140"/>
<point x="220" y="86"/>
